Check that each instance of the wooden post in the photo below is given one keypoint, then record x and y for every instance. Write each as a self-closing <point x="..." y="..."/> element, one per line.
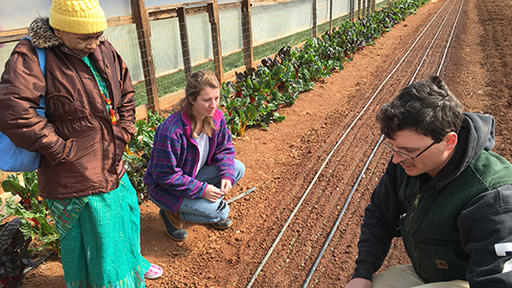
<point x="368" y="6"/>
<point x="247" y="34"/>
<point x="359" y="9"/>
<point x="314" y="19"/>
<point x="141" y="18"/>
<point x="352" y="10"/>
<point x="213" y="15"/>
<point x="185" y="49"/>
<point x="330" y="16"/>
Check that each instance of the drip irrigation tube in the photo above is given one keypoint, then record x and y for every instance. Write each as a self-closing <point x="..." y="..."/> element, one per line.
<point x="338" y="221"/>
<point x="431" y="43"/>
<point x="241" y="195"/>
<point x="347" y="202"/>
<point x="276" y="241"/>
<point x="450" y="39"/>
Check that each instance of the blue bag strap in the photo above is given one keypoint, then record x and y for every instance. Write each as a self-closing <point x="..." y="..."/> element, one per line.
<point x="41" y="55"/>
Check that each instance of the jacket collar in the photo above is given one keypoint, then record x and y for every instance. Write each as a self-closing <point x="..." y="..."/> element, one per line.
<point x="188" y="122"/>
<point x="42" y="35"/>
<point x="475" y="135"/>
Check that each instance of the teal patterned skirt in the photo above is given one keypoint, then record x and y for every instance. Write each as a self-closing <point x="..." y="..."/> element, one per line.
<point x="100" y="238"/>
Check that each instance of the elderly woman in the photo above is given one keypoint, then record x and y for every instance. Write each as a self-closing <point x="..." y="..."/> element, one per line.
<point x="90" y="118"/>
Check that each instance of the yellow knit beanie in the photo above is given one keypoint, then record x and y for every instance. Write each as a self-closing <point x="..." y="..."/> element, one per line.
<point x="77" y="16"/>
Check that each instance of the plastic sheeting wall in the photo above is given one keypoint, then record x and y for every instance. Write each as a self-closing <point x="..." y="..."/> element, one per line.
<point x="269" y="22"/>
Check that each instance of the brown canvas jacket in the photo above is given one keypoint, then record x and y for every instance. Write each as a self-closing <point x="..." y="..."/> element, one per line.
<point x="81" y="148"/>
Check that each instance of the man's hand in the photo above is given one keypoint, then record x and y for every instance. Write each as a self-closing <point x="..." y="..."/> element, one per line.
<point x="359" y="283"/>
<point x="212" y="193"/>
<point x="225" y="186"/>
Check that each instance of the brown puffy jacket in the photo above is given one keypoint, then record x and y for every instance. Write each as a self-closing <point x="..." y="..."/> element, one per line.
<point x="81" y="148"/>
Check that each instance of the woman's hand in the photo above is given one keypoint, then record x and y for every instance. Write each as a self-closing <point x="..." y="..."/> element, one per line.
<point x="225" y="186"/>
<point x="212" y="193"/>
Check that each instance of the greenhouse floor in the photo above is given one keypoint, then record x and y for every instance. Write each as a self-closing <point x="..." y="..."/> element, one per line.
<point x="282" y="161"/>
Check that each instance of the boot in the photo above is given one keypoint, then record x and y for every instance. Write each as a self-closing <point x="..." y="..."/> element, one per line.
<point x="222" y="224"/>
<point x="173" y="225"/>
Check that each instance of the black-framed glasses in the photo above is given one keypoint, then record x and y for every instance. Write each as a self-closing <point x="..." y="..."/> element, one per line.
<point x="405" y="154"/>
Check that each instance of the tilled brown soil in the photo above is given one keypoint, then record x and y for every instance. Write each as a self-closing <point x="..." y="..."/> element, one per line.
<point x="282" y="162"/>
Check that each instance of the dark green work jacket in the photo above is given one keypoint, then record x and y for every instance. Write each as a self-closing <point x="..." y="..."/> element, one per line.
<point x="429" y="227"/>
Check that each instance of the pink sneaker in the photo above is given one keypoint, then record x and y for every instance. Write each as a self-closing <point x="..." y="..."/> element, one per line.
<point x="154" y="272"/>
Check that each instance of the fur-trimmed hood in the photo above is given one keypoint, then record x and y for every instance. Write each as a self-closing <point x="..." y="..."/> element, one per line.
<point x="42" y="35"/>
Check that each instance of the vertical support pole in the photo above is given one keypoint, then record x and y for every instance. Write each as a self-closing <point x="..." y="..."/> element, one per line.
<point x="314" y="19"/>
<point x="185" y="48"/>
<point x="352" y="10"/>
<point x="374" y="5"/>
<point x="141" y="18"/>
<point x="368" y="7"/>
<point x="213" y="15"/>
<point x="359" y="9"/>
<point x="247" y="34"/>
<point x="330" y="16"/>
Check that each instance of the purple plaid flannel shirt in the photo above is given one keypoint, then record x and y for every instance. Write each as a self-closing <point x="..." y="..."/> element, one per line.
<point x="171" y="169"/>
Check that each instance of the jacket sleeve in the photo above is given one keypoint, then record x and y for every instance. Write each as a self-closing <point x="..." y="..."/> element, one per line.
<point x="21" y="87"/>
<point x="126" y="110"/>
<point x="486" y="234"/>
<point x="224" y="157"/>
<point x="380" y="225"/>
<point x="164" y="167"/>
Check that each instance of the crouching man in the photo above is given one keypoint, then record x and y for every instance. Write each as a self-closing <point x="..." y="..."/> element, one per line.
<point x="444" y="192"/>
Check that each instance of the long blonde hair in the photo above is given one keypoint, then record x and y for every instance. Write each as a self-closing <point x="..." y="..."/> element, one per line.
<point x="195" y="84"/>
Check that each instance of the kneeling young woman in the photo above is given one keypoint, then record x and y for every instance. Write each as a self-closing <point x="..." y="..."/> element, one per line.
<point x="193" y="163"/>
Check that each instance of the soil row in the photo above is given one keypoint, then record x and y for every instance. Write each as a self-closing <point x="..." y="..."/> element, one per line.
<point x="282" y="161"/>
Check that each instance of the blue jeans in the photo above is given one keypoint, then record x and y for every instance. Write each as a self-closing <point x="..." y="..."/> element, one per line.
<point x="202" y="210"/>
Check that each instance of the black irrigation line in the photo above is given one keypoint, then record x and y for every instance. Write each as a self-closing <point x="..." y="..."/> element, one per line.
<point x="430" y="45"/>
<point x="278" y="238"/>
<point x="450" y="39"/>
<point x="233" y="199"/>
<point x="347" y="202"/>
<point x="340" y="216"/>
